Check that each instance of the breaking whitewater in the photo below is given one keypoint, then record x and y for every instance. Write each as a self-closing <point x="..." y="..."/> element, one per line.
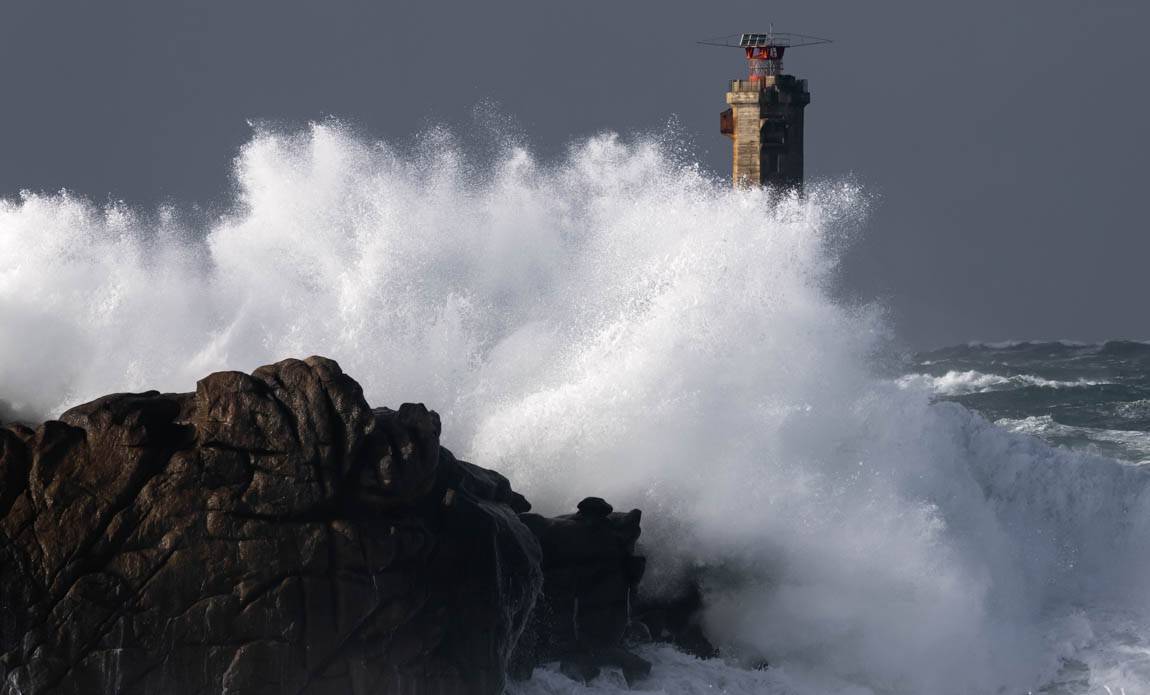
<point x="619" y="323"/>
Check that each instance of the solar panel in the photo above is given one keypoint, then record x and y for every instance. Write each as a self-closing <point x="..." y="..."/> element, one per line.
<point x="753" y="40"/>
<point x="776" y="39"/>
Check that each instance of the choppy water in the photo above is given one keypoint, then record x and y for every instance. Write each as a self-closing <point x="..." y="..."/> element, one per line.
<point x="1088" y="397"/>
<point x="618" y="324"/>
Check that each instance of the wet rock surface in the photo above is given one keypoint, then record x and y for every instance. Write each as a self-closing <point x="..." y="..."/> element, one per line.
<point x="272" y="533"/>
<point x="269" y="533"/>
<point x="591" y="576"/>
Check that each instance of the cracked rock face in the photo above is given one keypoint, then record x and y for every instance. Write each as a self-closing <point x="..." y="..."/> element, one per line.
<point x="270" y="533"/>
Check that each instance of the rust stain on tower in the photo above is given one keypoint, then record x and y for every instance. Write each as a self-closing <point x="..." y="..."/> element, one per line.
<point x="765" y="118"/>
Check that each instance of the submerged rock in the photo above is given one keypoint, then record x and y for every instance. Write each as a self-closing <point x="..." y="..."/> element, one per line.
<point x="270" y="533"/>
<point x="676" y="620"/>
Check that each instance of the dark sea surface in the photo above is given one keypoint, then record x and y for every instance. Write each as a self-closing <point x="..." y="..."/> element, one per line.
<point x="1089" y="397"/>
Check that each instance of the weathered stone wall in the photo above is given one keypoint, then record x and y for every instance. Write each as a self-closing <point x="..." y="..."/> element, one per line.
<point x="767" y="133"/>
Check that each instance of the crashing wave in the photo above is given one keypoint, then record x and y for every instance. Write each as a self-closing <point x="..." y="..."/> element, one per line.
<point x="618" y="322"/>
<point x="1132" y="446"/>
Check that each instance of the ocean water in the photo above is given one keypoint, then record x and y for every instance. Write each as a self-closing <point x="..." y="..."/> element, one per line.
<point x="618" y="323"/>
<point x="1093" y="398"/>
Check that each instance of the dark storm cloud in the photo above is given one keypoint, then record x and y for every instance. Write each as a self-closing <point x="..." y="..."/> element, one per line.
<point x="1006" y="141"/>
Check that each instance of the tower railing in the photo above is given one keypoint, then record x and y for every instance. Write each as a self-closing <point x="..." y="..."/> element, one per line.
<point x="765" y="67"/>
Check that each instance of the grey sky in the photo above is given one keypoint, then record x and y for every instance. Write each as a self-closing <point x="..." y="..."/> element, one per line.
<point x="1006" y="141"/>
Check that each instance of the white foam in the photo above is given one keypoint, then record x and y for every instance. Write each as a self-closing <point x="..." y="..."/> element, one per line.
<point x="957" y="383"/>
<point x="675" y="673"/>
<point x="613" y="324"/>
<point x="1130" y="444"/>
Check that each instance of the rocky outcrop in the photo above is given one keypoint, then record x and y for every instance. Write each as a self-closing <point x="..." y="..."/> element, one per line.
<point x="269" y="533"/>
<point x="591" y="575"/>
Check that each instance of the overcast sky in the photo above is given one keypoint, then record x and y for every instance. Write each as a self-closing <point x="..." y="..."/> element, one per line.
<point x="1006" y="142"/>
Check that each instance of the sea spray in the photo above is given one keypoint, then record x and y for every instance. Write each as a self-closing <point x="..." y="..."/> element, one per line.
<point x="617" y="323"/>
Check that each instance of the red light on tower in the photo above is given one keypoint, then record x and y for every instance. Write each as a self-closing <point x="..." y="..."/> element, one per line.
<point x="765" y="51"/>
<point x="765" y="60"/>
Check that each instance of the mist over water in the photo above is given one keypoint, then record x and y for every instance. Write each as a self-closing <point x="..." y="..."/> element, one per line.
<point x="618" y="324"/>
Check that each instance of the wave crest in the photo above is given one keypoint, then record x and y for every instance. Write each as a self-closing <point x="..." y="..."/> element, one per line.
<point x="958" y="383"/>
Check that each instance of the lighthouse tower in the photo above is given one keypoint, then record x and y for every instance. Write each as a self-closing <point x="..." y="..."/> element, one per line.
<point x="765" y="118"/>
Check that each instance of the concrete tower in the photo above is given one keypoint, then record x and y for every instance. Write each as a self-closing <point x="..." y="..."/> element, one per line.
<point x="765" y="118"/>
